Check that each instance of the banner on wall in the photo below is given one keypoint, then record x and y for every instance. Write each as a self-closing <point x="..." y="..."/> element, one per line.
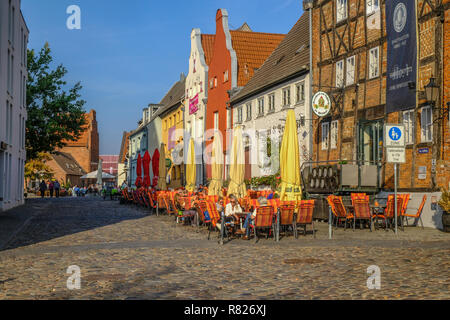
<point x="193" y="105"/>
<point x="401" y="30"/>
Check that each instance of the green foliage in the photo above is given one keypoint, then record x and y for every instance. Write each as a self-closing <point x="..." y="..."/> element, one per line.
<point x="36" y="169"/>
<point x="273" y="181"/>
<point x="444" y="203"/>
<point x="54" y="115"/>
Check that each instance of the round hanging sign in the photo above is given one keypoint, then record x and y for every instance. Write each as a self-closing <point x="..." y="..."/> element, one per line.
<point x="321" y="104"/>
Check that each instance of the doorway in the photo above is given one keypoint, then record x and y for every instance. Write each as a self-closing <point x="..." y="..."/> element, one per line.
<point x="370" y="142"/>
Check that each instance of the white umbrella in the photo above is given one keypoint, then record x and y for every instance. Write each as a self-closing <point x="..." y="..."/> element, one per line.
<point x="94" y="175"/>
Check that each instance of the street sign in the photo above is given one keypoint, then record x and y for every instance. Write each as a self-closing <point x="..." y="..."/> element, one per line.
<point x="394" y="135"/>
<point x="395" y="155"/>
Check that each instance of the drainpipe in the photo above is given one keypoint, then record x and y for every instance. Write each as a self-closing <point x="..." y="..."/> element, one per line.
<point x="308" y="6"/>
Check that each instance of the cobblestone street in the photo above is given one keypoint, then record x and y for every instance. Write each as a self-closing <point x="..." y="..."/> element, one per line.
<point x="124" y="253"/>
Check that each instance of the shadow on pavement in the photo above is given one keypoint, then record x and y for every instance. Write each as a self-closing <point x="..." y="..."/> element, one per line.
<point x="47" y="219"/>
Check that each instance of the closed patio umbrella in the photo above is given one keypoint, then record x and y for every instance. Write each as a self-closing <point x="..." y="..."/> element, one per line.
<point x="215" y="187"/>
<point x="138" y="182"/>
<point x="99" y="172"/>
<point x="155" y="167"/>
<point x="162" y="169"/>
<point x="146" y="166"/>
<point x="237" y="165"/>
<point x="290" y="161"/>
<point x="190" y="167"/>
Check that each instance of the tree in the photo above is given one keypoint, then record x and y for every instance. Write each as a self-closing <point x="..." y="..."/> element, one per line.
<point x="55" y="116"/>
<point x="36" y="169"/>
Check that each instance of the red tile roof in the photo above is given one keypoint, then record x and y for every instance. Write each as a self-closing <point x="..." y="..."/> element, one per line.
<point x="208" y="46"/>
<point x="252" y="49"/>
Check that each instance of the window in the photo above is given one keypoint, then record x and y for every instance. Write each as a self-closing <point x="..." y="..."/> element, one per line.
<point x="225" y="76"/>
<point x="300" y="92"/>
<point x="211" y="83"/>
<point x="216" y="120"/>
<point x="374" y="63"/>
<point x="215" y="82"/>
<point x="334" y="134"/>
<point x="272" y="102"/>
<point x="228" y="118"/>
<point x="341" y="10"/>
<point x="340" y="73"/>
<point x="372" y="6"/>
<point x="408" y="122"/>
<point x="350" y="79"/>
<point x="239" y="115"/>
<point x="249" y="111"/>
<point x="286" y="97"/>
<point x="426" y="124"/>
<point x="261" y="107"/>
<point x="325" y="135"/>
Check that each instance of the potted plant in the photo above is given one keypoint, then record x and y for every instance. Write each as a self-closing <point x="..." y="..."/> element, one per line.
<point x="444" y="203"/>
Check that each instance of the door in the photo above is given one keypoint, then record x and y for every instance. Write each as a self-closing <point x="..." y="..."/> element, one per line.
<point x="370" y="142"/>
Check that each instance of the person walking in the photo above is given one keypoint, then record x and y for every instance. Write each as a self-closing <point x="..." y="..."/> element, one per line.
<point x="51" y="187"/>
<point x="43" y="188"/>
<point x="57" y="186"/>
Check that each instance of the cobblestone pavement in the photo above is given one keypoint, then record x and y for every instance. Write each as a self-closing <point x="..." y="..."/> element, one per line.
<point x="124" y="253"/>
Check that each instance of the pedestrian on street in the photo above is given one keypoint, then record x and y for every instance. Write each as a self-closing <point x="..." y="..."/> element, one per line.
<point x="57" y="186"/>
<point x="51" y="187"/>
<point x="42" y="188"/>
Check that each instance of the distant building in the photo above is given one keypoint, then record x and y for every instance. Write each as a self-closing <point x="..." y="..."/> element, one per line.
<point x="109" y="164"/>
<point x="86" y="149"/>
<point x="66" y="169"/>
<point x="122" y="161"/>
<point x="13" y="113"/>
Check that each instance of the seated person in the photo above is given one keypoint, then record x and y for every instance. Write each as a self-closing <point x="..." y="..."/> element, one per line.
<point x="251" y="216"/>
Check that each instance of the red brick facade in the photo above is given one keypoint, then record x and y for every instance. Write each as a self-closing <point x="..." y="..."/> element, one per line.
<point x="86" y="149"/>
<point x="362" y="104"/>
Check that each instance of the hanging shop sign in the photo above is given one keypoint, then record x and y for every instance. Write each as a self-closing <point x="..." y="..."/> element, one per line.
<point x="321" y="103"/>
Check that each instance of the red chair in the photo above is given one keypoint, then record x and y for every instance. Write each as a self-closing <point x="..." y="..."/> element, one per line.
<point x="264" y="220"/>
<point x="304" y="217"/>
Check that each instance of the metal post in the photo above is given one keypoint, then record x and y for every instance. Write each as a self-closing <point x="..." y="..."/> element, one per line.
<point x="278" y="225"/>
<point x="395" y="195"/>
<point x="330" y="222"/>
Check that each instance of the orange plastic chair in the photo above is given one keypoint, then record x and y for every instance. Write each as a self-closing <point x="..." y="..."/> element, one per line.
<point x="287" y="216"/>
<point x="263" y="220"/>
<point x="389" y="212"/>
<point x="361" y="208"/>
<point x="418" y="215"/>
<point x="305" y="217"/>
<point x="338" y="210"/>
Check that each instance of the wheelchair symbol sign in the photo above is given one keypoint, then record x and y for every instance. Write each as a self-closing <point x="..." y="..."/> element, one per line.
<point x="395" y="135"/>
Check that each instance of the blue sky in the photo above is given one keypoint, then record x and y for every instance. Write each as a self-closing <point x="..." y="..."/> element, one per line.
<point x="129" y="53"/>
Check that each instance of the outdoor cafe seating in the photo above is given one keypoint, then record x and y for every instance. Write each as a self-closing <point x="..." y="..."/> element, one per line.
<point x="287" y="218"/>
